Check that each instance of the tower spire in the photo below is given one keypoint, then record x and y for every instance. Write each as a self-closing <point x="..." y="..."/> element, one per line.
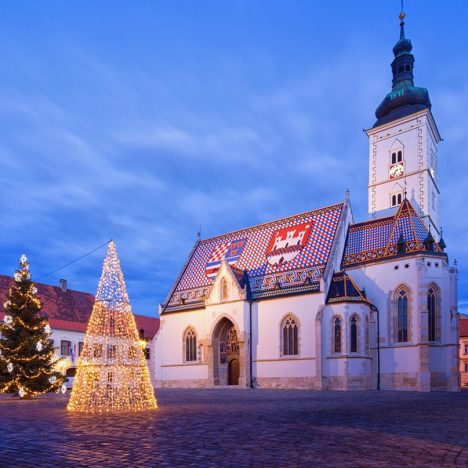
<point x="404" y="98"/>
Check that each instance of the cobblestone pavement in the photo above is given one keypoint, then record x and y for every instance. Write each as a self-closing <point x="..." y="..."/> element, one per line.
<point x="237" y="427"/>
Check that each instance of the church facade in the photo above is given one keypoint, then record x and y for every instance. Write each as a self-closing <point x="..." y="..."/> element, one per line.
<point x="318" y="301"/>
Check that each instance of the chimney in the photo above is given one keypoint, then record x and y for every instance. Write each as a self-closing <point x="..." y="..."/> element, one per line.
<point x="63" y="285"/>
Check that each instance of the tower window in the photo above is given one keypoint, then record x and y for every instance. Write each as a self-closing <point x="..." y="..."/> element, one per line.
<point x="393" y="158"/>
<point x="408" y="68"/>
<point x="400" y="68"/>
<point x="400" y="156"/>
<point x="396" y="199"/>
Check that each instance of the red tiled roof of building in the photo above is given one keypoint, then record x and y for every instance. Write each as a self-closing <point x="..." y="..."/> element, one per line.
<point x="70" y="310"/>
<point x="463" y="328"/>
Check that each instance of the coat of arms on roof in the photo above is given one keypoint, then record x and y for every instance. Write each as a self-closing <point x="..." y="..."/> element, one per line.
<point x="231" y="251"/>
<point x="286" y="243"/>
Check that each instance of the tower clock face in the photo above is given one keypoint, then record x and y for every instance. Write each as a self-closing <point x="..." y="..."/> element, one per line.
<point x="396" y="170"/>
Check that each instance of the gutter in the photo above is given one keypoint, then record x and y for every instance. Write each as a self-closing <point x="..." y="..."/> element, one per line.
<point x="378" y="348"/>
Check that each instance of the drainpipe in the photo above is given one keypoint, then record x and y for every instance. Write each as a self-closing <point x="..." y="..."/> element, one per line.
<point x="378" y="348"/>
<point x="250" y="344"/>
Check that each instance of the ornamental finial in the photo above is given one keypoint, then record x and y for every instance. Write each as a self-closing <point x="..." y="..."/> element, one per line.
<point x="402" y="12"/>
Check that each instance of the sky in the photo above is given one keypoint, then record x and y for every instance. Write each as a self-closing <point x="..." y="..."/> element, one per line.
<point x="141" y="121"/>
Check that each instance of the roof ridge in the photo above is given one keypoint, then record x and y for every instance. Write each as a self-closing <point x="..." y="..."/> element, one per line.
<point x="277" y="220"/>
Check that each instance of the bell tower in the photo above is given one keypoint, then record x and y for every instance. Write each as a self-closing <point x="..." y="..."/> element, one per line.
<point x="403" y="144"/>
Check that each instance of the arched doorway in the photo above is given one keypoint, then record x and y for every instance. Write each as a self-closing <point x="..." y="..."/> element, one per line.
<point x="226" y="364"/>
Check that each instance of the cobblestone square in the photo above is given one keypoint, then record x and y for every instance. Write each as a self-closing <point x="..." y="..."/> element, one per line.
<point x="237" y="427"/>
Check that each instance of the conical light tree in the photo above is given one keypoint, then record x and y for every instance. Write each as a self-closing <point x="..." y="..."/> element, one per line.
<point x="112" y="373"/>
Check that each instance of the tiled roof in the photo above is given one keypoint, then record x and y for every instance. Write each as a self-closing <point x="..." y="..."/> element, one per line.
<point x="378" y="239"/>
<point x="70" y="310"/>
<point x="280" y="257"/>
<point x="344" y="289"/>
<point x="463" y="324"/>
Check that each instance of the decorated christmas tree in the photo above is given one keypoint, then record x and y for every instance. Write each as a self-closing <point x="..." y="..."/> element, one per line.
<point x="27" y="360"/>
<point x="112" y="373"/>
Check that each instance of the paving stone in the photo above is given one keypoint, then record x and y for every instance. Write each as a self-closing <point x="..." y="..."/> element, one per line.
<point x="226" y="427"/>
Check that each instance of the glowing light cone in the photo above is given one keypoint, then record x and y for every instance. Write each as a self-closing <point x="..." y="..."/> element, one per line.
<point x="112" y="374"/>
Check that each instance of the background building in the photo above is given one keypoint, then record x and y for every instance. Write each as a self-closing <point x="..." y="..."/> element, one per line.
<point x="464" y="350"/>
<point x="68" y="312"/>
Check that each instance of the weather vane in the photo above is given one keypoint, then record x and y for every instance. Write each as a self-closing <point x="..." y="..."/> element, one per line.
<point x="402" y="12"/>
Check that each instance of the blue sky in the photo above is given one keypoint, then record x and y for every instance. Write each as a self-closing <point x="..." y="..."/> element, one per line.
<point x="141" y="120"/>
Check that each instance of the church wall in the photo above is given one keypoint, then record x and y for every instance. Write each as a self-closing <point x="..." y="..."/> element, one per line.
<point x="271" y="368"/>
<point x="170" y="368"/>
<point x="346" y="370"/>
<point x="416" y="364"/>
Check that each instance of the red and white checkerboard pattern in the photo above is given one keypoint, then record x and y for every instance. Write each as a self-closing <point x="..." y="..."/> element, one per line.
<point x="253" y="259"/>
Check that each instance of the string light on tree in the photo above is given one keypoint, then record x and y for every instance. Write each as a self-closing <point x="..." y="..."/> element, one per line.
<point x="112" y="372"/>
<point x="27" y="358"/>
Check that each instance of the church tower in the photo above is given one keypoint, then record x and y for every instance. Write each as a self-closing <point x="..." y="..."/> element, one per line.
<point x="403" y="144"/>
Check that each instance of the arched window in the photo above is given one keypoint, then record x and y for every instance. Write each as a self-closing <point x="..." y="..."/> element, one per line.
<point x="224" y="289"/>
<point x="367" y="336"/>
<point x="290" y="338"/>
<point x="190" y="344"/>
<point x="393" y="158"/>
<point x="354" y="334"/>
<point x="402" y="316"/>
<point x="400" y="156"/>
<point x="337" y="335"/>
<point x="432" y="313"/>
<point x="399" y="198"/>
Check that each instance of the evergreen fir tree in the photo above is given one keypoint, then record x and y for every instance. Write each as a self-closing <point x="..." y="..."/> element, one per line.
<point x="27" y="361"/>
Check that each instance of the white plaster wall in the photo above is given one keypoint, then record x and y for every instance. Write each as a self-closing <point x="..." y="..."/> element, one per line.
<point x="381" y="280"/>
<point x="169" y="346"/>
<point x="419" y="137"/>
<point x="268" y="316"/>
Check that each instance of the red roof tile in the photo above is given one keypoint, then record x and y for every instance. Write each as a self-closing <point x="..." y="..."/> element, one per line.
<point x="70" y="310"/>
<point x="463" y="325"/>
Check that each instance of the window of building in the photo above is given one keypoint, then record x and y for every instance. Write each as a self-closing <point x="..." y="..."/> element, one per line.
<point x="399" y="156"/>
<point x="354" y="334"/>
<point x="190" y="343"/>
<point x="80" y="348"/>
<point x="111" y="351"/>
<point x="396" y="199"/>
<point x="466" y="366"/>
<point x="402" y="316"/>
<point x="393" y="158"/>
<point x="337" y="335"/>
<point x="97" y="350"/>
<point x="290" y="341"/>
<point x="65" y="347"/>
<point x="147" y="354"/>
<point x="432" y="314"/>
<point x="51" y="342"/>
<point x="466" y="349"/>
<point x="71" y="372"/>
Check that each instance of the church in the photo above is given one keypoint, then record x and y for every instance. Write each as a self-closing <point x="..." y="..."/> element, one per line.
<point x="319" y="301"/>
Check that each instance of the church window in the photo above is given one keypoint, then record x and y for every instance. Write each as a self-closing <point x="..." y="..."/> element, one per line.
<point x="354" y="335"/>
<point x="396" y="199"/>
<point x="400" y="68"/>
<point x="337" y="335"/>
<point x="402" y="316"/>
<point x="400" y="156"/>
<point x="224" y="289"/>
<point x="432" y="313"/>
<point x="290" y="338"/>
<point x="393" y="158"/>
<point x="190" y="344"/>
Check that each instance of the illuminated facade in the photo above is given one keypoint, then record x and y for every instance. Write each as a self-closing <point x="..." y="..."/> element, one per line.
<point x="318" y="301"/>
